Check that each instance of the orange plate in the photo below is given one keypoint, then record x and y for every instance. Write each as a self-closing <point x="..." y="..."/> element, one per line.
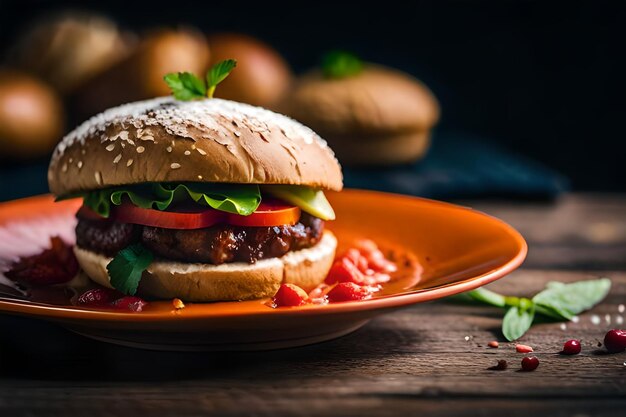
<point x="458" y="249"/>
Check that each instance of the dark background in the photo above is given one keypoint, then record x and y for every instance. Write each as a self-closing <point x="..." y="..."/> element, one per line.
<point x="544" y="79"/>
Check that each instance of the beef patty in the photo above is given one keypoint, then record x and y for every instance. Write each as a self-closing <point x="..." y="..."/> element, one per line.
<point x="215" y="245"/>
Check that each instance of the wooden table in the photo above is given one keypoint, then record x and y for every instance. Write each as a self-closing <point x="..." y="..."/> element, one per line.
<point x="430" y="359"/>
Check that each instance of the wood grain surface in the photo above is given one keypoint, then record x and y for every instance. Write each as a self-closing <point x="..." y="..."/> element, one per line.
<point x="430" y="359"/>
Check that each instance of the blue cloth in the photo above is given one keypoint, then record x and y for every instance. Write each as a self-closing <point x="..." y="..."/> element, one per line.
<point x="457" y="166"/>
<point x="462" y="166"/>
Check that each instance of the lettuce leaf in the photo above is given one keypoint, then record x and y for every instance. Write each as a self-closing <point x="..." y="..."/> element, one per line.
<point x="242" y="199"/>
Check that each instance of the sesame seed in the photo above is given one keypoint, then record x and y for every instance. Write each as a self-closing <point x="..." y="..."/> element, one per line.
<point x="123" y="144"/>
<point x="173" y="144"/>
<point x="110" y="147"/>
<point x="79" y="164"/>
<point x="237" y="133"/>
<point x="175" y="165"/>
<point x="193" y="146"/>
<point x="201" y="151"/>
<point x="71" y="160"/>
<point x="168" y="149"/>
<point x="117" y="158"/>
<point x="98" y="177"/>
<point x="187" y="153"/>
<point x="83" y="151"/>
<point x="64" y="168"/>
<point x="129" y="163"/>
<point x="199" y="177"/>
<point x="140" y="149"/>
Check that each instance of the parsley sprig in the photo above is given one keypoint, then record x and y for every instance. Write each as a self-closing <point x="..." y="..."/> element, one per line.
<point x="341" y="64"/>
<point x="126" y="269"/>
<point x="558" y="301"/>
<point x="186" y="86"/>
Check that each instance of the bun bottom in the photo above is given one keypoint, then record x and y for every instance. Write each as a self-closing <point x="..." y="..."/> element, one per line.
<point x="380" y="150"/>
<point x="306" y="268"/>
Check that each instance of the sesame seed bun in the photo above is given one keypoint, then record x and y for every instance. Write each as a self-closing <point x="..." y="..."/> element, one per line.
<point x="306" y="268"/>
<point x="212" y="140"/>
<point x="380" y="116"/>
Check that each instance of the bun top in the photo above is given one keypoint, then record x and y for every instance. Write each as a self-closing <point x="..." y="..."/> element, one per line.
<point x="212" y="140"/>
<point x="377" y="101"/>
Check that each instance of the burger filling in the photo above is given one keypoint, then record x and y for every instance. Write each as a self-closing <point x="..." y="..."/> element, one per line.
<point x="212" y="223"/>
<point x="217" y="244"/>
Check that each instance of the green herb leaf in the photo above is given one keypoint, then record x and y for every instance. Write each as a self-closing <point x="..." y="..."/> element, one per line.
<point x="564" y="301"/>
<point x="185" y="86"/>
<point x="218" y="73"/>
<point x="488" y="297"/>
<point x="126" y="268"/>
<point x="341" y="64"/>
<point x="517" y="321"/>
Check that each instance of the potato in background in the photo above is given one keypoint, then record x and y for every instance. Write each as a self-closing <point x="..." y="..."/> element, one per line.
<point x="70" y="48"/>
<point x="261" y="77"/>
<point x="140" y="75"/>
<point x="31" y="116"/>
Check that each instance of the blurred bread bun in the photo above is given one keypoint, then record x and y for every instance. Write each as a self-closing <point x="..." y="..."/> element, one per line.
<point x="379" y="116"/>
<point x="69" y="49"/>
<point x="31" y="116"/>
<point x="139" y="76"/>
<point x="262" y="75"/>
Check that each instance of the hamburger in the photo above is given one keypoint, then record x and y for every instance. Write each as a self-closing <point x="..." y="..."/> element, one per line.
<point x="201" y="200"/>
<point x="370" y="114"/>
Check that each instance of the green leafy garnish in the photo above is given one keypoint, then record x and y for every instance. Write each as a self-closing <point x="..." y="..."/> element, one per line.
<point x="518" y="319"/>
<point x="564" y="301"/>
<point x="341" y="64"/>
<point x="242" y="199"/>
<point x="126" y="268"/>
<point x="311" y="200"/>
<point x="186" y="86"/>
<point x="558" y="301"/>
<point x="218" y="73"/>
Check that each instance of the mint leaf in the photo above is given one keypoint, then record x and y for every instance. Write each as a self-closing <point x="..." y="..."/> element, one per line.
<point x="564" y="301"/>
<point x="341" y="64"/>
<point x="517" y="321"/>
<point x="218" y="73"/>
<point x="185" y="86"/>
<point x="126" y="268"/>
<point x="488" y="297"/>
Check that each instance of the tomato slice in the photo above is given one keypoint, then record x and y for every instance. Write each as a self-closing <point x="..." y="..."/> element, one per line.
<point x="270" y="212"/>
<point x="193" y="219"/>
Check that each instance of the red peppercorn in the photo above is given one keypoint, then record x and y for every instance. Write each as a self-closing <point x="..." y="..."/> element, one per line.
<point x="571" y="347"/>
<point x="493" y="344"/>
<point x="529" y="363"/>
<point x="615" y="341"/>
